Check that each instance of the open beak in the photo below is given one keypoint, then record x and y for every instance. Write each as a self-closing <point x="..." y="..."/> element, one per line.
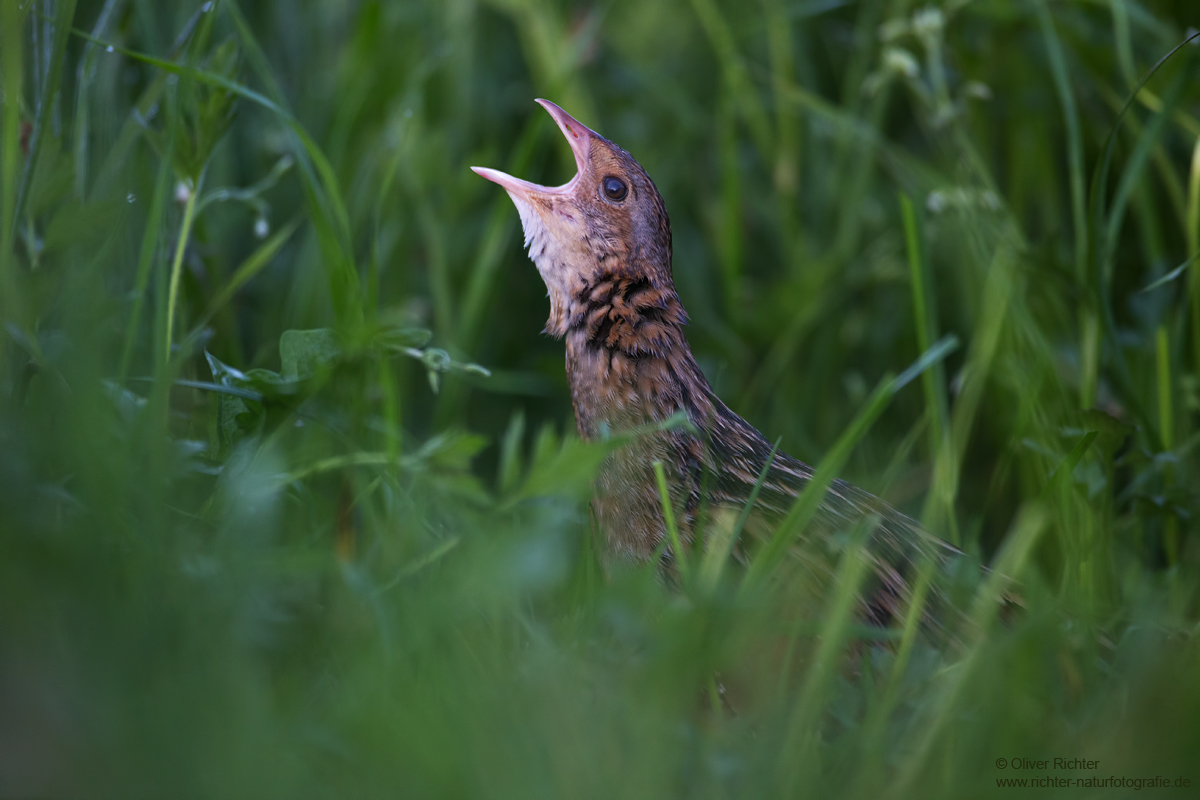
<point x="578" y="136"/>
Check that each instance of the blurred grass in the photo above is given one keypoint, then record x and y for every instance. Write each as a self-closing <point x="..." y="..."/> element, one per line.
<point x="349" y="561"/>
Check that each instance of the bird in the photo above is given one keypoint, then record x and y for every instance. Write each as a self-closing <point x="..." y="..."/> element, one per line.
<point x="602" y="245"/>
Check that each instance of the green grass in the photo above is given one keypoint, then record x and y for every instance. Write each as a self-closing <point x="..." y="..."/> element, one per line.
<point x="290" y="499"/>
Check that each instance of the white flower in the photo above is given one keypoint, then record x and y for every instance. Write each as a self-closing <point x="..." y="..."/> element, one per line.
<point x="978" y="90"/>
<point x="928" y="23"/>
<point x="899" y="60"/>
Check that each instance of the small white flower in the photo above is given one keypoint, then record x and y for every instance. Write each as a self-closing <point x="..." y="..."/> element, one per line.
<point x="899" y="60"/>
<point x="980" y="91"/>
<point x="928" y="23"/>
<point x="182" y="192"/>
<point x="261" y="227"/>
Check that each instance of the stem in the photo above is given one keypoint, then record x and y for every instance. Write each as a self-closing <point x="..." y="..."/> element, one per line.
<point x="1166" y="425"/>
<point x="185" y="231"/>
<point x="11" y="62"/>
<point x="1089" y="356"/>
<point x="1193" y="243"/>
<point x="939" y="505"/>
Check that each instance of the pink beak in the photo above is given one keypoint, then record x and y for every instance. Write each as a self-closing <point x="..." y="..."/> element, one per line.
<point x="578" y="136"/>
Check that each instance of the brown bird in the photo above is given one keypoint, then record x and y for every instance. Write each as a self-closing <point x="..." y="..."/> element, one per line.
<point x="602" y="243"/>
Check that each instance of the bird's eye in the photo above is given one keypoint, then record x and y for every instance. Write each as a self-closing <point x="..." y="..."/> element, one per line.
<point x="614" y="188"/>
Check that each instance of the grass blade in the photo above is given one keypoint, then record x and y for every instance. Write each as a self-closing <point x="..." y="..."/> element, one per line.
<point x="1132" y="173"/>
<point x="158" y="203"/>
<point x="939" y="505"/>
<point x="1062" y="473"/>
<point x="1089" y="351"/>
<point x="1166" y="424"/>
<point x="797" y="760"/>
<point x="720" y="549"/>
<point x="332" y="220"/>
<point x="46" y="100"/>
<point x="1018" y="545"/>
<point x="11" y="61"/>
<point x="1104" y="226"/>
<point x="254" y="263"/>
<point x="1193" y="239"/>
<point x="83" y="83"/>
<point x="1070" y="112"/>
<point x="805" y="508"/>
<point x="1170" y="276"/>
<point x="664" y="495"/>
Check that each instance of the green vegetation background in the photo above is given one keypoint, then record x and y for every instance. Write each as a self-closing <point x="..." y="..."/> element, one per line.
<point x="354" y="559"/>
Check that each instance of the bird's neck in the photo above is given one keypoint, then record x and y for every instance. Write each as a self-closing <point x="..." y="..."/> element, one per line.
<point x="628" y="361"/>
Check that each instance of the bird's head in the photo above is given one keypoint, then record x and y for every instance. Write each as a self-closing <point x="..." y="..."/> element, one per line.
<point x="608" y="222"/>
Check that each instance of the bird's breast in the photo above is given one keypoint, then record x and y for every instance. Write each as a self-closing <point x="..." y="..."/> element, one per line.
<point x="614" y="390"/>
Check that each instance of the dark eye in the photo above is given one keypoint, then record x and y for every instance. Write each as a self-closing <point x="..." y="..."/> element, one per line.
<point x="614" y="188"/>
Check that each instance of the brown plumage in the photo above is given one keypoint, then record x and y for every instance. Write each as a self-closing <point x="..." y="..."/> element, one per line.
<point x="602" y="243"/>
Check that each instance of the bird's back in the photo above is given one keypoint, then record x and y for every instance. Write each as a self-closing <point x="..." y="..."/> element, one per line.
<point x="712" y="467"/>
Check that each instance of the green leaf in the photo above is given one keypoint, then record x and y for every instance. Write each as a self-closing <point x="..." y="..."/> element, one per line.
<point x="304" y="353"/>
<point x="401" y="338"/>
<point x="266" y="383"/>
<point x="510" y="452"/>
<point x="452" y="450"/>
<point x="563" y="470"/>
<point x="223" y="373"/>
<point x="237" y="417"/>
<point x="237" y="420"/>
<point x="1113" y="432"/>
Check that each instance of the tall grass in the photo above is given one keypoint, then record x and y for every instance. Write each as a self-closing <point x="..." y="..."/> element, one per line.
<point x="290" y="499"/>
